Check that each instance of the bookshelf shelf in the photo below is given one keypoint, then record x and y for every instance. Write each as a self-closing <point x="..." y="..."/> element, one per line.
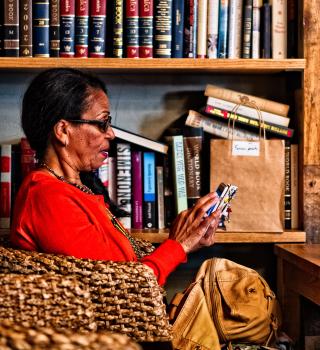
<point x="232" y="237"/>
<point x="158" y="236"/>
<point x="156" y="64"/>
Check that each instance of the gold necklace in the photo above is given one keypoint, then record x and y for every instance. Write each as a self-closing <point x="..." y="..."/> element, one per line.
<point x="81" y="187"/>
<point x="115" y="222"/>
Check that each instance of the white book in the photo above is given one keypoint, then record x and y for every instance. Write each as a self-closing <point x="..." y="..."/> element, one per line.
<point x="112" y="178"/>
<point x="256" y="10"/>
<point x="202" y="29"/>
<point x="235" y="23"/>
<point x="213" y="28"/>
<point x="279" y="29"/>
<point x="218" y="128"/>
<point x="248" y="111"/>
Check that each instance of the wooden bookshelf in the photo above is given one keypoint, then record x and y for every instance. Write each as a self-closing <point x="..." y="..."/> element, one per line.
<point x="158" y="64"/>
<point x="158" y="236"/>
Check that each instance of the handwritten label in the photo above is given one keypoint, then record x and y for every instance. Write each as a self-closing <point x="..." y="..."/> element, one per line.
<point x="245" y="148"/>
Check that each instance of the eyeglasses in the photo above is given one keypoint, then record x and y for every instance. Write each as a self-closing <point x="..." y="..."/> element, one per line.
<point x="103" y="125"/>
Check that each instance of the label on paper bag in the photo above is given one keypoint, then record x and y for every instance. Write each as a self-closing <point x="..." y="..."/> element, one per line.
<point x="245" y="148"/>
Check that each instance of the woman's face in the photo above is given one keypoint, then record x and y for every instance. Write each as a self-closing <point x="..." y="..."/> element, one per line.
<point x="88" y="145"/>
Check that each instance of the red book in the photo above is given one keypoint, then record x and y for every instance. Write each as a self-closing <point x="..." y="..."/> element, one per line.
<point x="82" y="28"/>
<point x="67" y="27"/>
<point x="5" y="186"/>
<point x="146" y="28"/>
<point x="137" y="202"/>
<point x="27" y="157"/>
<point x="132" y="29"/>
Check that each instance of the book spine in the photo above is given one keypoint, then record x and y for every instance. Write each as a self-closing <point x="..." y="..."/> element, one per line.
<point x="54" y="30"/>
<point x="25" y="28"/>
<point x="81" y="40"/>
<point x="192" y="142"/>
<point x="179" y="176"/>
<point x="1" y="26"/>
<point x="41" y="28"/>
<point x="97" y="46"/>
<point x="124" y="181"/>
<point x="103" y="173"/>
<point x="132" y="29"/>
<point x="247" y="29"/>
<point x="5" y="186"/>
<point x="67" y="27"/>
<point x="11" y="28"/>
<point x="190" y="29"/>
<point x="213" y="28"/>
<point x="117" y="37"/>
<point x="160" y="197"/>
<point x="218" y="128"/>
<point x="279" y="29"/>
<point x="27" y="157"/>
<point x="234" y="31"/>
<point x="248" y="111"/>
<point x="162" y="28"/>
<point x="287" y="186"/>
<point x="149" y="190"/>
<point x="270" y="128"/>
<point x="146" y="28"/>
<point x="15" y="173"/>
<point x="256" y="10"/>
<point x="112" y="179"/>
<point x="169" y="211"/>
<point x="292" y="29"/>
<point x="177" y="29"/>
<point x="202" y="28"/>
<point x="137" y="199"/>
<point x="294" y="187"/>
<point x="237" y="97"/>
<point x="223" y="29"/>
<point x="266" y="31"/>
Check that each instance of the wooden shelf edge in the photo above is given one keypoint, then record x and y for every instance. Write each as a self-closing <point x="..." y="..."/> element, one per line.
<point x="158" y="236"/>
<point x="155" y="64"/>
<point x="233" y="237"/>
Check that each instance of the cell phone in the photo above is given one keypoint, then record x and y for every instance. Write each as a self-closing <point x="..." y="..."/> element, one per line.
<point x="226" y="193"/>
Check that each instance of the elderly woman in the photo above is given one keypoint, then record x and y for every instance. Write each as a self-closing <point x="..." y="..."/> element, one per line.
<point x="66" y="119"/>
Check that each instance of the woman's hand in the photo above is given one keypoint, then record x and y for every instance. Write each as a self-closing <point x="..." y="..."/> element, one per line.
<point x="192" y="228"/>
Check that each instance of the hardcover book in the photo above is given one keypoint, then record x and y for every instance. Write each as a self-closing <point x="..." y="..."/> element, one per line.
<point x="234" y="28"/>
<point x="266" y="31"/>
<point x="223" y="29"/>
<point x="41" y="28"/>
<point x="124" y="181"/>
<point x="213" y="28"/>
<point x="25" y="28"/>
<point x="11" y="28"/>
<point x="236" y="97"/>
<point x="137" y="188"/>
<point x="146" y="28"/>
<point x="97" y="46"/>
<point x="177" y="29"/>
<point x="202" y="28"/>
<point x="54" y="30"/>
<point x="149" y="190"/>
<point x="160" y="197"/>
<point x="287" y="185"/>
<point x="140" y="140"/>
<point x="132" y="29"/>
<point x="192" y="143"/>
<point x="294" y="170"/>
<point x="190" y="29"/>
<point x="247" y="29"/>
<point x="117" y="28"/>
<point x="67" y="27"/>
<point x="256" y="11"/>
<point x="279" y="29"/>
<point x="82" y="28"/>
<point x="162" y="28"/>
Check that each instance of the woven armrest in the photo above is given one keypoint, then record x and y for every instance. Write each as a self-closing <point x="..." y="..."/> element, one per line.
<point x="17" y="337"/>
<point x="126" y="297"/>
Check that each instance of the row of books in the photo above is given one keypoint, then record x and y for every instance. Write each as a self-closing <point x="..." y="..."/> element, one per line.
<point x="145" y="28"/>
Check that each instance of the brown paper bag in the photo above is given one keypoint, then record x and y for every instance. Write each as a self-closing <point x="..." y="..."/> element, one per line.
<point x="259" y="202"/>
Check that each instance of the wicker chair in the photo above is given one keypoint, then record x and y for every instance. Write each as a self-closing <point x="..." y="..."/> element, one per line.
<point x="18" y="337"/>
<point x="122" y="297"/>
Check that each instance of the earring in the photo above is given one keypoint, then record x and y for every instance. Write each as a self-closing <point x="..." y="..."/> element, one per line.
<point x="66" y="143"/>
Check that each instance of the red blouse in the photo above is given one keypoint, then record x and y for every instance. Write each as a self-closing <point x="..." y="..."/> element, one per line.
<point x="52" y="216"/>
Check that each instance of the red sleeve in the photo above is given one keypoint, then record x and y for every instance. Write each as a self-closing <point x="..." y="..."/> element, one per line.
<point x="165" y="259"/>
